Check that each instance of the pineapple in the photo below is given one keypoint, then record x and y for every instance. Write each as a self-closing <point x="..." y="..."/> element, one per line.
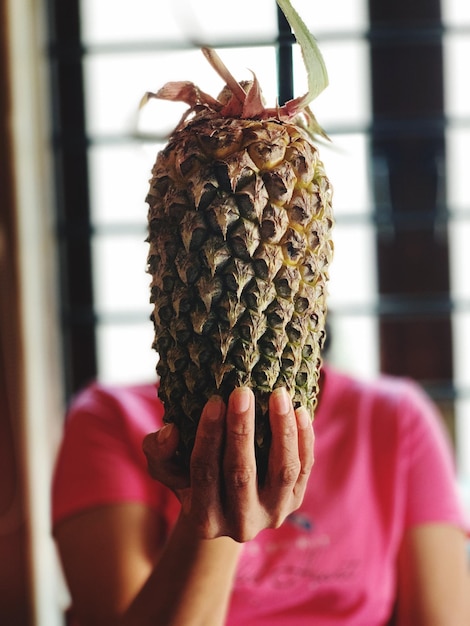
<point x="239" y="231"/>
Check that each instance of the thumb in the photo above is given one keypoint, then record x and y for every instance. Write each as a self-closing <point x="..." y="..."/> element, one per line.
<point x="160" y="446"/>
<point x="160" y="450"/>
<point x="167" y="439"/>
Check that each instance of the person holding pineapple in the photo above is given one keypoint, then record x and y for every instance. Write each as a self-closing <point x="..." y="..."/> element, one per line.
<point x="238" y="528"/>
<point x="372" y="535"/>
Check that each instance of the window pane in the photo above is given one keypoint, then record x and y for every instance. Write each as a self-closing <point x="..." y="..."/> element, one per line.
<point x="119" y="21"/>
<point x="354" y="343"/>
<point x="334" y="15"/>
<point x="456" y="55"/>
<point x="459" y="232"/>
<point x="111" y="108"/>
<point x="456" y="12"/>
<point x="119" y="176"/>
<point x="456" y="15"/>
<point x="353" y="279"/>
<point x="125" y="353"/>
<point x="463" y="450"/>
<point x="458" y="149"/>
<point x="461" y="323"/>
<point x="346" y="161"/>
<point x="121" y="283"/>
<point x="346" y="101"/>
<point x="353" y="283"/>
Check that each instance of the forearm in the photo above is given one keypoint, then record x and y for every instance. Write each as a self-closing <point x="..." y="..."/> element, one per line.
<point x="190" y="584"/>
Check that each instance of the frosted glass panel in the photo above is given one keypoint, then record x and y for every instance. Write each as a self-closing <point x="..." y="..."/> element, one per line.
<point x="211" y="22"/>
<point x="456" y="15"/>
<point x="459" y="231"/>
<point x="120" y="280"/>
<point x="461" y="327"/>
<point x="463" y="449"/>
<point x="346" y="100"/>
<point x="334" y="15"/>
<point x="456" y="12"/>
<point x="108" y="21"/>
<point x="456" y="58"/>
<point x="458" y="146"/>
<point x="346" y="161"/>
<point x="125" y="353"/>
<point x="115" y="84"/>
<point x="458" y="149"/>
<point x="119" y="176"/>
<point x="353" y="279"/>
<point x="354" y="344"/>
<point x="112" y="21"/>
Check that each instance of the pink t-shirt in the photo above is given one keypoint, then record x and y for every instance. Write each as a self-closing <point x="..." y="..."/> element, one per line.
<point x="382" y="464"/>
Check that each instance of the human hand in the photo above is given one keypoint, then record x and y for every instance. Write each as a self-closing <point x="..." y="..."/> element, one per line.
<point x="221" y="496"/>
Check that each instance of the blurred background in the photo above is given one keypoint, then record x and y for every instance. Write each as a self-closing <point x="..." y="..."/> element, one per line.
<point x="75" y="159"/>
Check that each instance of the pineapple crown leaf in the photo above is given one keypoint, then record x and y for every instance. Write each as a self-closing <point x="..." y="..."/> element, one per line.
<point x="219" y="66"/>
<point x="313" y="59"/>
<point x="246" y="104"/>
<point x="254" y="105"/>
<point x="312" y="126"/>
<point x="183" y="91"/>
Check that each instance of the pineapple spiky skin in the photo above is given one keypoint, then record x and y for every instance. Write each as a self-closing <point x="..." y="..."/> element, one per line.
<point x="240" y="221"/>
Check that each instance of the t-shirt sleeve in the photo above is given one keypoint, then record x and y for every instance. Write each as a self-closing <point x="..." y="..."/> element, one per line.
<point x="100" y="460"/>
<point x="432" y="494"/>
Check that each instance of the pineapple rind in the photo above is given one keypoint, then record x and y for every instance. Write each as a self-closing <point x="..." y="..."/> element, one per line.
<point x="240" y="223"/>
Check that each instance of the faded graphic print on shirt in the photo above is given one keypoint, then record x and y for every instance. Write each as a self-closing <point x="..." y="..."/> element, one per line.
<point x="298" y="554"/>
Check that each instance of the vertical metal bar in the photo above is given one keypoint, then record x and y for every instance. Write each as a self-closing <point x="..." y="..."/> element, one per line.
<point x="285" y="69"/>
<point x="72" y="189"/>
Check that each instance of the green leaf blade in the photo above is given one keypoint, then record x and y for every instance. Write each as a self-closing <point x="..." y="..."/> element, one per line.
<point x="317" y="74"/>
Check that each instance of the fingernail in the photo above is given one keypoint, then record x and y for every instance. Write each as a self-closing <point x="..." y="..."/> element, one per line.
<point x="213" y="410"/>
<point x="303" y="417"/>
<point x="165" y="432"/>
<point x="241" y="399"/>
<point x="281" y="401"/>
